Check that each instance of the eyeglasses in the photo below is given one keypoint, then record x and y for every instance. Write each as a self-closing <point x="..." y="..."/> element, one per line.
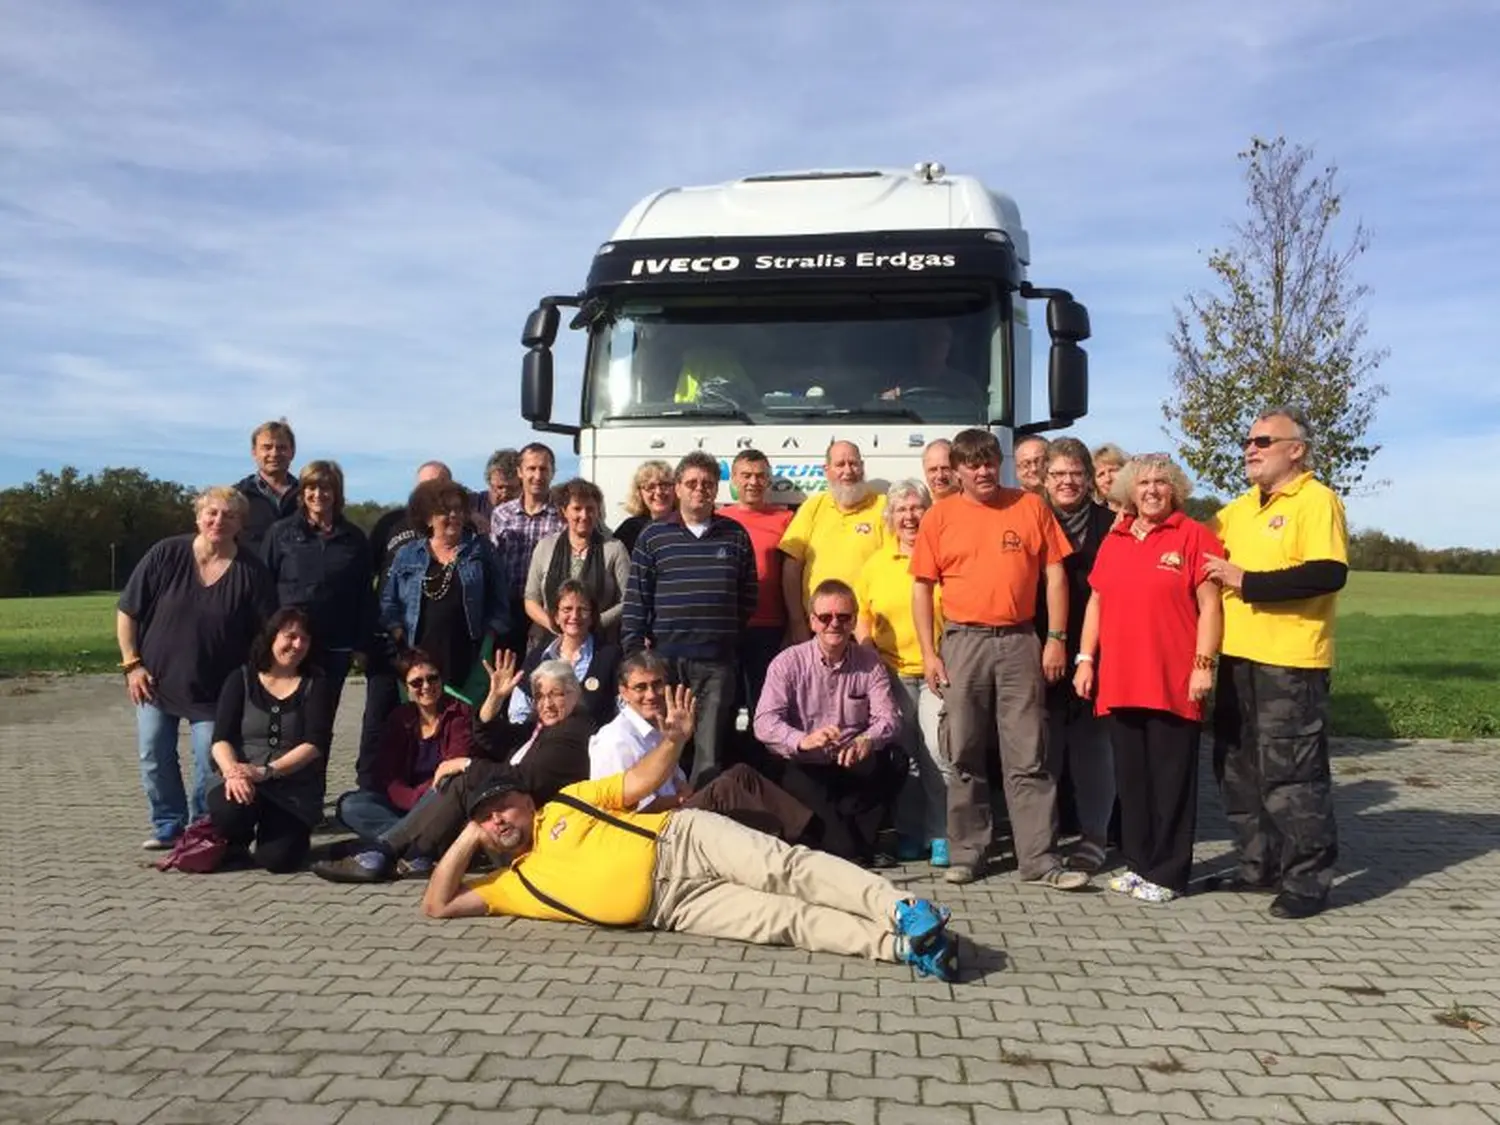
<point x="417" y="683"/>
<point x="700" y="485"/>
<point x="648" y="686"/>
<point x="829" y="618"/>
<point x="451" y="514"/>
<point x="1053" y="474"/>
<point x="657" y="486"/>
<point x="551" y="696"/>
<point x="1265" y="441"/>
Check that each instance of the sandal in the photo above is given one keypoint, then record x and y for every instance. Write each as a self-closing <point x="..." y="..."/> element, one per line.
<point x="1087" y="857"/>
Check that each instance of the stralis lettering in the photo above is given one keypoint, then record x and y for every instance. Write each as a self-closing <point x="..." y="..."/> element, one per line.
<point x="816" y="262"/>
<point x="648" y="266"/>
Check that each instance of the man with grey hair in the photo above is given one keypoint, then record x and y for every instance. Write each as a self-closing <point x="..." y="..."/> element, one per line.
<point x="833" y="534"/>
<point x="1287" y="544"/>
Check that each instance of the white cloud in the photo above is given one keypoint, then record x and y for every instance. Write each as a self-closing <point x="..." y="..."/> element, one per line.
<point x="342" y="211"/>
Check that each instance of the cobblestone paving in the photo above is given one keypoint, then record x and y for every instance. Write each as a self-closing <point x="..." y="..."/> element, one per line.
<point x="132" y="996"/>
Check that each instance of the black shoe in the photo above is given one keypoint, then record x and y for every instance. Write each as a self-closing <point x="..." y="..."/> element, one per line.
<point x="351" y="870"/>
<point x="1293" y="906"/>
<point x="1239" y="885"/>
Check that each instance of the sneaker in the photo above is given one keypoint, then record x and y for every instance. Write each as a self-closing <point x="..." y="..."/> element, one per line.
<point x="938" y="857"/>
<point x="1061" y="879"/>
<point x="910" y="850"/>
<point x="157" y="844"/>
<point x="920" y="921"/>
<point x="1147" y="891"/>
<point x="960" y="873"/>
<point x="1125" y="883"/>
<point x="362" y="867"/>
<point x="940" y="959"/>
<point x="414" y="867"/>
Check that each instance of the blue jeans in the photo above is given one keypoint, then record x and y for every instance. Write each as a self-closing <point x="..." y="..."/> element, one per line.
<point x="370" y="815"/>
<point x="161" y="773"/>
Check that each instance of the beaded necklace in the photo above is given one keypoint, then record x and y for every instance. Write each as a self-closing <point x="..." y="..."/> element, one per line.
<point x="444" y="582"/>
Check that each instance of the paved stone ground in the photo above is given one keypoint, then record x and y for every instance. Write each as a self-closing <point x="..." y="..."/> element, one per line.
<point x="131" y="996"/>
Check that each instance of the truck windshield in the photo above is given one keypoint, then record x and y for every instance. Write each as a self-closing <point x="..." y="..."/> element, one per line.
<point x="932" y="357"/>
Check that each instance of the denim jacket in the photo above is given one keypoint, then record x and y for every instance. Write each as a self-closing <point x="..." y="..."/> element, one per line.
<point x="480" y="576"/>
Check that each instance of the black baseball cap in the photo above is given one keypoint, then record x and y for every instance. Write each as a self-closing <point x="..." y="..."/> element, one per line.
<point x="498" y="780"/>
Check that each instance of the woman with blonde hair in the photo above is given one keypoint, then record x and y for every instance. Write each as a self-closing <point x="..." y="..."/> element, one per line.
<point x="1152" y="630"/>
<point x="652" y="496"/>
<point x="1108" y="460"/>
<point x="320" y="562"/>
<point x="184" y="622"/>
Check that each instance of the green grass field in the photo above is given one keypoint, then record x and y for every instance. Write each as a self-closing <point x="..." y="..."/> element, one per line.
<point x="1417" y="653"/>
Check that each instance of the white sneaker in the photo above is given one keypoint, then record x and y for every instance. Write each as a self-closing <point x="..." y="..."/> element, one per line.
<point x="155" y="845"/>
<point x="1125" y="883"/>
<point x="1150" y="892"/>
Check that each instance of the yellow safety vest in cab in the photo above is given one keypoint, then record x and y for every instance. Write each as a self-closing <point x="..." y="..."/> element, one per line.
<point x="707" y="367"/>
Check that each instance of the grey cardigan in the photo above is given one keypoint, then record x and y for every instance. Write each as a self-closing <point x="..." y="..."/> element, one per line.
<point x="616" y="574"/>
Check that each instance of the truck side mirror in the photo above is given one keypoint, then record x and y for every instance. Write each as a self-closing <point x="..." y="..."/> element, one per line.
<point x="1067" y="320"/>
<point x="536" y="381"/>
<point x="541" y="327"/>
<point x="1068" y="379"/>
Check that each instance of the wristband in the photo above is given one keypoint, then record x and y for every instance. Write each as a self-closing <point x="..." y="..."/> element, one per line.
<point x="1203" y="663"/>
<point x="129" y="666"/>
<point x="1083" y="658"/>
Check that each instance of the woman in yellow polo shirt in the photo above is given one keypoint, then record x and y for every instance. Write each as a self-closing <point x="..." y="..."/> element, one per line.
<point x="886" y="625"/>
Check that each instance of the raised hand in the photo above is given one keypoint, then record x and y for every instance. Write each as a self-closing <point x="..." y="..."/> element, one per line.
<point x="679" y="721"/>
<point x="505" y="674"/>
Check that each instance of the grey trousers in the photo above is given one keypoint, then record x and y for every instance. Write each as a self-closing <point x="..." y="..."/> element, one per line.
<point x="922" y="808"/>
<point x="996" y="684"/>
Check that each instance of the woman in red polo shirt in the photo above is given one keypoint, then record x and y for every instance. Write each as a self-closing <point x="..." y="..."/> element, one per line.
<point x="1150" y="638"/>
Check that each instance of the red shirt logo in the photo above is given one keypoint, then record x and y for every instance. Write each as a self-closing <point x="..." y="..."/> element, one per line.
<point x="1170" y="561"/>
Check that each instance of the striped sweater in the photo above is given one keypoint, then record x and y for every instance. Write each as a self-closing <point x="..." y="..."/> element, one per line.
<point x="690" y="597"/>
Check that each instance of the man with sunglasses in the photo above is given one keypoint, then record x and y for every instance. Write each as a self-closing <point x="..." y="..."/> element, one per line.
<point x="588" y="856"/>
<point x="692" y="590"/>
<point x="829" y="722"/>
<point x="1287" y="547"/>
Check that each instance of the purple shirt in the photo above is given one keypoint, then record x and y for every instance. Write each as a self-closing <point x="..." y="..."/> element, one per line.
<point x="516" y="533"/>
<point x="803" y="694"/>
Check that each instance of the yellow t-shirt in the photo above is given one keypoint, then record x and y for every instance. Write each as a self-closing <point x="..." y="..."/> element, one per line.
<point x="1303" y="522"/>
<point x="832" y="543"/>
<point x="599" y="870"/>
<point x="884" y="591"/>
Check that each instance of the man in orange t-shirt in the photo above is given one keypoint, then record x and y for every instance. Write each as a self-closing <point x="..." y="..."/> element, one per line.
<point x="989" y="549"/>
<point x="765" y="523"/>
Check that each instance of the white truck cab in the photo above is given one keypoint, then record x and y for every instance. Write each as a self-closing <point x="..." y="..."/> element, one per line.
<point x="783" y="311"/>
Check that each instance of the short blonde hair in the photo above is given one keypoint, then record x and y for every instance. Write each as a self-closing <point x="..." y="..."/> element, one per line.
<point x="231" y="497"/>
<point x="899" y="492"/>
<point x="634" y="505"/>
<point x="1109" y="454"/>
<point x="1123" y="490"/>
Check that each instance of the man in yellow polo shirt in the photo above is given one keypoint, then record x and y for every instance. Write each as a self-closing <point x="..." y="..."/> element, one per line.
<point x="586" y="856"/>
<point x="832" y="535"/>
<point x="1288" y="548"/>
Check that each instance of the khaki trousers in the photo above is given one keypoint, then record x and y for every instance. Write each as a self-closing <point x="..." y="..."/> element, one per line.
<point x="996" y="684"/>
<point x="717" y="878"/>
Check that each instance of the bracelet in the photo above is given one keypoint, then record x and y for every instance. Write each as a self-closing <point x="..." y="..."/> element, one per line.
<point x="1083" y="658"/>
<point x="1057" y="635"/>
<point x="1203" y="663"/>
<point x="129" y="666"/>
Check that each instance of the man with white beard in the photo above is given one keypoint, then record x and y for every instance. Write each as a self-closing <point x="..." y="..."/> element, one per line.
<point x="832" y="535"/>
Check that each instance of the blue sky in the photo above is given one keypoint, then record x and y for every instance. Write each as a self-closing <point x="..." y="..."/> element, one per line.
<point x="341" y="211"/>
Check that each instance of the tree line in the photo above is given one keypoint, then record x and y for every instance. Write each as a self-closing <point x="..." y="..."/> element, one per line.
<point x="67" y="533"/>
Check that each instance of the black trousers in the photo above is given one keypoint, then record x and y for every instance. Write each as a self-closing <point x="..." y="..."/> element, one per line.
<point x="1156" y="776"/>
<point x="1271" y="763"/>
<point x="850" y="806"/>
<point x="281" y="840"/>
<point x="382" y="696"/>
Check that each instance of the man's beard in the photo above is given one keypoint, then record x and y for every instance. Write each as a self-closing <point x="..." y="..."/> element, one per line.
<point x="846" y="495"/>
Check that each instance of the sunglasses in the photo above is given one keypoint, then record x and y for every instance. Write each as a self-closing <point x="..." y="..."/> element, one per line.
<point x="1265" y="441"/>
<point x="417" y="683"/>
<point x="830" y="618"/>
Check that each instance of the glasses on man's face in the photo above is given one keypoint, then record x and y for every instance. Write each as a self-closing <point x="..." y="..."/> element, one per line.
<point x="1265" y="441"/>
<point x="1059" y="475"/>
<point x="417" y="683"/>
<point x="696" y="485"/>
<point x="646" y="687"/>
<point x="826" y="619"/>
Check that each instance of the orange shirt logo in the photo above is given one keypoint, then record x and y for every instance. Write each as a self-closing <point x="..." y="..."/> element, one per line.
<point x="1010" y="541"/>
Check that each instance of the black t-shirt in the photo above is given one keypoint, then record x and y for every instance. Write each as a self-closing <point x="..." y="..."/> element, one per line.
<point x="391" y="532"/>
<point x="191" y="636"/>
<point x="442" y="628"/>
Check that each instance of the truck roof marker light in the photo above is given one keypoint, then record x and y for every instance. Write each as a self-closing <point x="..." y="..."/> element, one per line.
<point x="607" y="248"/>
<point x="930" y="171"/>
<point x="996" y="236"/>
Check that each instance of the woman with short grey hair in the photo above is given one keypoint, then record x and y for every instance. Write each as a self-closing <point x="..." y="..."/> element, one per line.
<point x="886" y="624"/>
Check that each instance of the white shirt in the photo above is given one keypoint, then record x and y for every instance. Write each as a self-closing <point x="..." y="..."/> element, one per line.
<point x="621" y="743"/>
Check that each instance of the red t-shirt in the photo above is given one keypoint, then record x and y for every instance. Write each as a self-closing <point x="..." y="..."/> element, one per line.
<point x="765" y="528"/>
<point x="1148" y="614"/>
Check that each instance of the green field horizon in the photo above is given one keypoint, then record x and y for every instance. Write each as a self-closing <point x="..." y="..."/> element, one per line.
<point x="1416" y="652"/>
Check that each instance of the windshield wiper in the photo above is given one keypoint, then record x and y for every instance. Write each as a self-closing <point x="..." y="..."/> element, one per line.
<point x="892" y="411"/>
<point x="725" y="411"/>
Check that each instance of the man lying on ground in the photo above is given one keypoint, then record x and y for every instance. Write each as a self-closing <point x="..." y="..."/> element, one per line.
<point x="586" y="857"/>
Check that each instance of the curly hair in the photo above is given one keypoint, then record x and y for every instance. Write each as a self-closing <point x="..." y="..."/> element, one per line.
<point x="577" y="491"/>
<point x="434" y="496"/>
<point x="1123" y="492"/>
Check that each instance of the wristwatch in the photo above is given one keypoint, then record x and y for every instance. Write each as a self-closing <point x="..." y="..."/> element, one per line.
<point x="1057" y="635"/>
<point x="1083" y="658"/>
